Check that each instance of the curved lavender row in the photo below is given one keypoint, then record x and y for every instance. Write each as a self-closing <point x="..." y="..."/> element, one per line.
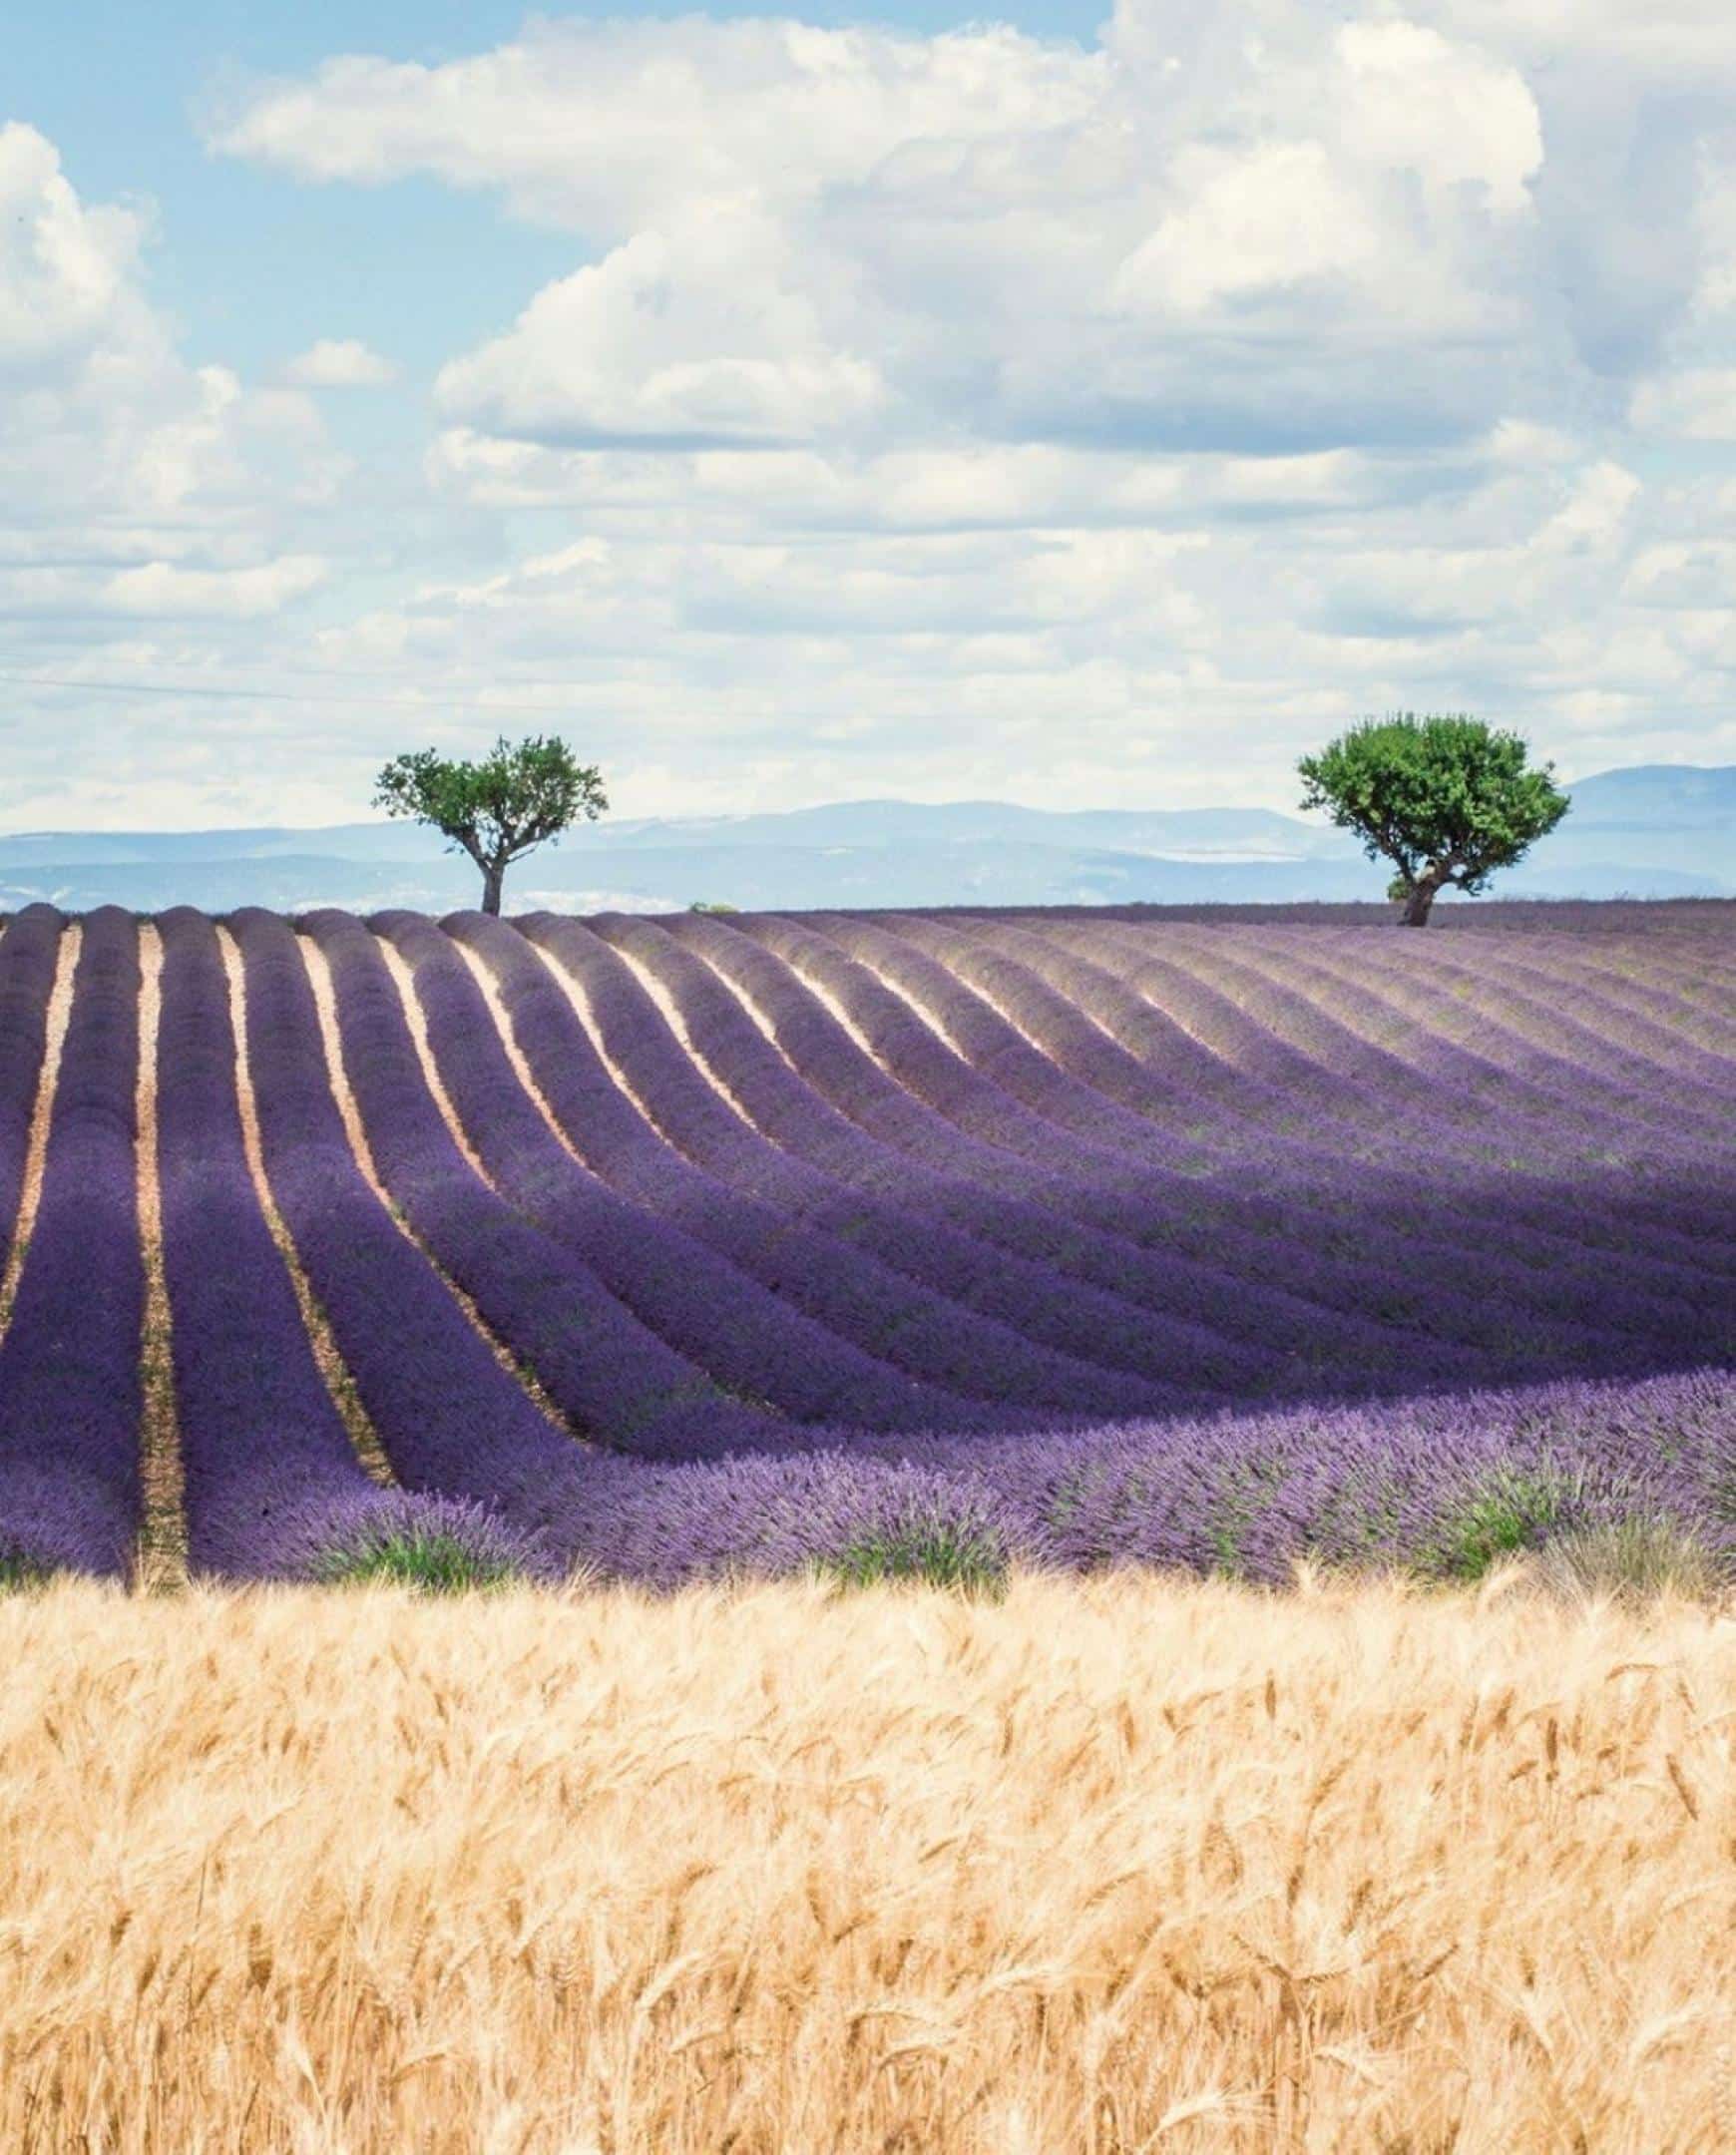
<point x="273" y="1485"/>
<point x="1547" y="1226"/>
<point x="1299" y="1043"/>
<point x="1435" y="1485"/>
<point x="1683" y="1020"/>
<point x="1683" y="980"/>
<point x="617" y="1379"/>
<point x="1366" y="1018"/>
<point x="453" y="1422"/>
<point x="1391" y="1024"/>
<point x="667" y="1525"/>
<point x="765" y="1227"/>
<point x="70" y="1400"/>
<point x="1206" y="1063"/>
<point x="1309" y="1044"/>
<point x="1169" y="1191"/>
<point x="1310" y="1200"/>
<point x="1095" y="1187"/>
<point x="1257" y="1071"/>
<point x="1113" y="969"/>
<point x="1125" y="986"/>
<point x="1542" y="1066"/>
<point x="1673" y="1017"/>
<point x="994" y="1194"/>
<point x="1389" y="1272"/>
<point x="1550" y="1032"/>
<point x="1683" y="954"/>
<point x="1024" y="1305"/>
<point x="28" y="957"/>
<point x="1080" y="1019"/>
<point x="1661" y="1211"/>
<point x="813" y="1157"/>
<point x="1545" y="1015"/>
<point x="1421" y="1027"/>
<point x="1438" y="1485"/>
<point x="711" y="1310"/>
<point x="901" y="956"/>
<point x="1133" y="1052"/>
<point x="1186" y="1172"/>
<point x="868" y="1087"/>
<point x="450" y="1416"/>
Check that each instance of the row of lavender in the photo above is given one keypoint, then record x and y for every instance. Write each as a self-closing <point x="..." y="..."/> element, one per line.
<point x="895" y="1230"/>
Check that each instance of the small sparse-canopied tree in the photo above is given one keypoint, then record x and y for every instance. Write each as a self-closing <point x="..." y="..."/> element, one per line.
<point x="1448" y="800"/>
<point x="497" y="810"/>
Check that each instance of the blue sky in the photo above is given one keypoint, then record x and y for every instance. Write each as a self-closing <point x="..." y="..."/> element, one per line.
<point x="122" y="89"/>
<point x="795" y="407"/>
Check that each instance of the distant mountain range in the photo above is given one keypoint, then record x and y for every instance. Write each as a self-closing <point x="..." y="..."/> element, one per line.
<point x="1660" y="830"/>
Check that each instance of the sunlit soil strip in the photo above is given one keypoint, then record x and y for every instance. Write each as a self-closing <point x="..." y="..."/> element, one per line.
<point x="829" y="1003"/>
<point x="822" y="995"/>
<point x="761" y="1022"/>
<point x="922" y="1012"/>
<point x="162" y="1559"/>
<point x="325" y="1003"/>
<point x="946" y="957"/>
<point x="503" y="1024"/>
<point x="873" y="966"/>
<point x="404" y="980"/>
<point x="338" y="1382"/>
<point x="1117" y="963"/>
<point x="673" y="1018"/>
<point x="41" y="1114"/>
<point x="574" y="992"/>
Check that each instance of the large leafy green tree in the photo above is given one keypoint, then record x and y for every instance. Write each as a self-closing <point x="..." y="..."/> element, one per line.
<point x="497" y="810"/>
<point x="1445" y="799"/>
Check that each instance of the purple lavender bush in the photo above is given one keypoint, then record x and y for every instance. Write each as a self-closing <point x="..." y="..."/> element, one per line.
<point x="273" y="1485"/>
<point x="889" y="1247"/>
<point x="71" y="1394"/>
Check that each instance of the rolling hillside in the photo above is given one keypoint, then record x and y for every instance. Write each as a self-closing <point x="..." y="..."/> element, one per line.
<point x="671" y="1245"/>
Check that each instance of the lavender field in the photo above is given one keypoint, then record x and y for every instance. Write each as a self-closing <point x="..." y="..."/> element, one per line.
<point x="691" y="1245"/>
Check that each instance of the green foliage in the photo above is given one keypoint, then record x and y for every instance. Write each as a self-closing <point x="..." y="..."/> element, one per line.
<point x="21" y="1574"/>
<point x="497" y="810"/>
<point x="431" y="1562"/>
<point x="1511" y="1512"/>
<point x="1445" y="799"/>
<point x="710" y="905"/>
<point x="936" y="1553"/>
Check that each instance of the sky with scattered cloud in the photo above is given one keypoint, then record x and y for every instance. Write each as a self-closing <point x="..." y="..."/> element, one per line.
<point x="796" y="408"/>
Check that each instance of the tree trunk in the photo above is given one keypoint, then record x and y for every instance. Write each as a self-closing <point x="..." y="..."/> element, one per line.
<point x="493" y="872"/>
<point x="1421" y="898"/>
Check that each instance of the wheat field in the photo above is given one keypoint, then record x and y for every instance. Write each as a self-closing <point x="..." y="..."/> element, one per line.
<point x="1111" y="1864"/>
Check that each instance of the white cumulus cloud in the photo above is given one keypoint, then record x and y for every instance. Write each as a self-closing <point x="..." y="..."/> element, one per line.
<point x="163" y="589"/>
<point x="340" y="363"/>
<point x="696" y="337"/>
<point x="1072" y="418"/>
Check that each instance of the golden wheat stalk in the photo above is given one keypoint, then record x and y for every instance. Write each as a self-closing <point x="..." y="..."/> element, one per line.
<point x="1110" y="1865"/>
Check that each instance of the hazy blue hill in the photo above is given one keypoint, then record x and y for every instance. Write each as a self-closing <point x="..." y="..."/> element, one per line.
<point x="1657" y="830"/>
<point x="882" y="824"/>
<point x="1655" y="816"/>
<point x="1685" y="793"/>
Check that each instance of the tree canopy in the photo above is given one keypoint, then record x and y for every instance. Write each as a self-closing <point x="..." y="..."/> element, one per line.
<point x="497" y="810"/>
<point x="1447" y="799"/>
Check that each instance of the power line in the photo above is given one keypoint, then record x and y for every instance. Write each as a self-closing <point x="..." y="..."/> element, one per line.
<point x="421" y="701"/>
